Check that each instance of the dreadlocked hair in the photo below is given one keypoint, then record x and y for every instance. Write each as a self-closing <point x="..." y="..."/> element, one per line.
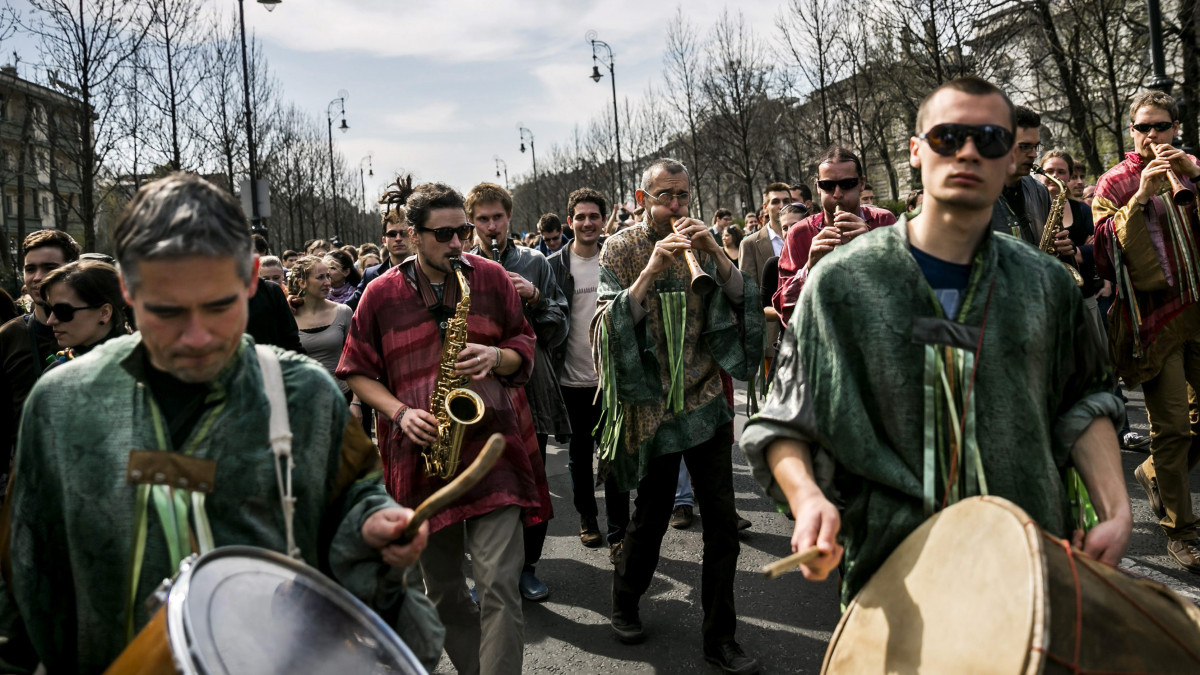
<point x="393" y="200"/>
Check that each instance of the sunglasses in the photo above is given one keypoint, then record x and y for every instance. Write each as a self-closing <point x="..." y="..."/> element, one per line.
<point x="991" y="141"/>
<point x="1145" y="127"/>
<point x="445" y="234"/>
<point x="392" y="234"/>
<point x="64" y="312"/>
<point x="845" y="184"/>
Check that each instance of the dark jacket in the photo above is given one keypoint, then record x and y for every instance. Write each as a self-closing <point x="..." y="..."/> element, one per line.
<point x="1037" y="207"/>
<point x="548" y="318"/>
<point x="566" y="241"/>
<point x="271" y="321"/>
<point x="370" y="274"/>
<point x="560" y="265"/>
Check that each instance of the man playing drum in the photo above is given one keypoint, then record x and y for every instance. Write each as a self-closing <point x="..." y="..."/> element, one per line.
<point x="936" y="360"/>
<point x="155" y="445"/>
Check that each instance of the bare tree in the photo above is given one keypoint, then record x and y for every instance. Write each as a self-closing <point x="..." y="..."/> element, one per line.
<point x="736" y="87"/>
<point x="811" y="31"/>
<point x="683" y="72"/>
<point x="86" y="43"/>
<point x="175" y="39"/>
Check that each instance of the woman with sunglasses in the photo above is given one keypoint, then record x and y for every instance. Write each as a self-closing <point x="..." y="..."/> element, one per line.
<point x="84" y="306"/>
<point x="323" y="323"/>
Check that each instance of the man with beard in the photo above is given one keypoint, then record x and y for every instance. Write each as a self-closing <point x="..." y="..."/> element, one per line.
<point x="391" y="361"/>
<point x="842" y="218"/>
<point x="489" y="208"/>
<point x="920" y="292"/>
<point x="1024" y="203"/>
<point x="664" y="401"/>
<point x="98" y="521"/>
<point x="577" y="271"/>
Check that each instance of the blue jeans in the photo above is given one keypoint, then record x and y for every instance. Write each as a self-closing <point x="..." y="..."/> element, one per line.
<point x="683" y="489"/>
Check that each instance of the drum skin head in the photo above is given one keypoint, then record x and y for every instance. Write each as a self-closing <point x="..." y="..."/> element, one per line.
<point x="248" y="610"/>
<point x="911" y="616"/>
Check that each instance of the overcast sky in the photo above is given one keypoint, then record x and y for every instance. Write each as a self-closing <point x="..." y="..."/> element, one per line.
<point x="437" y="88"/>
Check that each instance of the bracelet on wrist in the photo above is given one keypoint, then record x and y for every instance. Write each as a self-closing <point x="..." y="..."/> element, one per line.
<point x="399" y="416"/>
<point x="357" y="403"/>
<point x="498" y="359"/>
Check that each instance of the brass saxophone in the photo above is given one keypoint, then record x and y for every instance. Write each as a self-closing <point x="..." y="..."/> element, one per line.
<point x="454" y="406"/>
<point x="1054" y="223"/>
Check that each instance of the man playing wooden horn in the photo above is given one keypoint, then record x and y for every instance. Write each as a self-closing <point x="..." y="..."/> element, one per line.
<point x="1146" y="243"/>
<point x="898" y="390"/>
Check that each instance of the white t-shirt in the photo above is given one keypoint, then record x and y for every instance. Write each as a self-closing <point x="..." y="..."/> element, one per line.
<point x="578" y="369"/>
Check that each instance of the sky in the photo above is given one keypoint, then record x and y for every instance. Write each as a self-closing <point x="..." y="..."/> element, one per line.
<point x="438" y="88"/>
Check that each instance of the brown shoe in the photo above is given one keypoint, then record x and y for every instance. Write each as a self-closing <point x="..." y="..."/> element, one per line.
<point x="1186" y="552"/>
<point x="589" y="532"/>
<point x="1150" y="485"/>
<point x="682" y="517"/>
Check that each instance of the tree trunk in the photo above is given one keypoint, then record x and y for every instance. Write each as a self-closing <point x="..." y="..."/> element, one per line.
<point x="23" y="162"/>
<point x="1076" y="106"/>
<point x="1190" y="53"/>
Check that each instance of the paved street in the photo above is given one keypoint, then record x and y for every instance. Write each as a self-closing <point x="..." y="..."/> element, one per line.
<point x="785" y="623"/>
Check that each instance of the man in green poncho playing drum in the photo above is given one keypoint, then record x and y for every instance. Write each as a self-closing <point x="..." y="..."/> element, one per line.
<point x="936" y="360"/>
<point x="660" y="349"/>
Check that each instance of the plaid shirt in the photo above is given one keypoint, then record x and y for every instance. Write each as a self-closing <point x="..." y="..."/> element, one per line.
<point x="394" y="339"/>
<point x="793" y="262"/>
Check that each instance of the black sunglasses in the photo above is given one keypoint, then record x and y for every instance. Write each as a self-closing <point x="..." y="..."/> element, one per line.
<point x="64" y="312"/>
<point x="1145" y="127"/>
<point x="445" y="234"/>
<point x="392" y="234"/>
<point x="990" y="140"/>
<point x="845" y="184"/>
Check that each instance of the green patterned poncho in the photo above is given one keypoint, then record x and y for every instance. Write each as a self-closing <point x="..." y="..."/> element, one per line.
<point x="873" y="376"/>
<point x="643" y="419"/>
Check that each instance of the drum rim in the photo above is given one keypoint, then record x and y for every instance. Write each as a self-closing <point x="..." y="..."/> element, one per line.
<point x="176" y="632"/>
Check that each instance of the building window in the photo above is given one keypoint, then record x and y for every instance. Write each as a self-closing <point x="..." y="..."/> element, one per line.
<point x="8" y="208"/>
<point x="46" y="205"/>
<point x="34" y="200"/>
<point x="3" y="107"/>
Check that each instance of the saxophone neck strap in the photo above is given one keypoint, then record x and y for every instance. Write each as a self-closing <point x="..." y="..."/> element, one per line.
<point x="450" y="295"/>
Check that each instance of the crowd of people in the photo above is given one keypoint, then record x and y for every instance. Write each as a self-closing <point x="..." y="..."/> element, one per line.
<point x="877" y="332"/>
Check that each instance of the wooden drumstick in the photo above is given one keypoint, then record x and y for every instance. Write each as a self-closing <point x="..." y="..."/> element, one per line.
<point x="455" y="488"/>
<point x="784" y="565"/>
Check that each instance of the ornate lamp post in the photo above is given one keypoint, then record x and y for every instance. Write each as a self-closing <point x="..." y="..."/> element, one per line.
<point x="537" y="188"/>
<point x="256" y="225"/>
<point x="596" y="75"/>
<point x="501" y="163"/>
<point x="340" y="101"/>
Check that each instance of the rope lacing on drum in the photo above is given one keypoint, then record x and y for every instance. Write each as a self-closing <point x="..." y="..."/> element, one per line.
<point x="1088" y="564"/>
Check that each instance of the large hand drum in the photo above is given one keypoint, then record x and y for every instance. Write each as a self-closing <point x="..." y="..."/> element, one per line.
<point x="248" y="610"/>
<point x="980" y="588"/>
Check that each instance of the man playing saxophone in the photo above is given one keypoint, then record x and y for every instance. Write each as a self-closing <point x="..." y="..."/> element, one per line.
<point x="392" y="359"/>
<point x="1146" y="242"/>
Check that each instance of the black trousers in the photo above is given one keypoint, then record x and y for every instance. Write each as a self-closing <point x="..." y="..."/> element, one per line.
<point x="584" y="415"/>
<point x="711" y="466"/>
<point x="535" y="535"/>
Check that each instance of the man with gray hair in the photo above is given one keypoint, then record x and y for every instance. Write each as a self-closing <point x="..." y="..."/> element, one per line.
<point x="661" y="347"/>
<point x="95" y="529"/>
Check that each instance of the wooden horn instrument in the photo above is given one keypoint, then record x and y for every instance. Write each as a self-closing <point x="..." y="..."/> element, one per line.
<point x="702" y="283"/>
<point x="1181" y="194"/>
<point x="455" y="488"/>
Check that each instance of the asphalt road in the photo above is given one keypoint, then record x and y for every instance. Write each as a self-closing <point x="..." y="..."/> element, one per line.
<point x="786" y="623"/>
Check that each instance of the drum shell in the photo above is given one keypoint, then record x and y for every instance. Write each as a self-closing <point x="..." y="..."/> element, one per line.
<point x="178" y="640"/>
<point x="150" y="651"/>
<point x="980" y="588"/>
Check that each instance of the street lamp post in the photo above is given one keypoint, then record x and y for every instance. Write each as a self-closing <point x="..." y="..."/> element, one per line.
<point x="363" y="183"/>
<point x="341" y="102"/>
<point x="256" y="225"/>
<point x="1158" y="79"/>
<point x="596" y="75"/>
<point x="501" y="163"/>
<point x="537" y="189"/>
